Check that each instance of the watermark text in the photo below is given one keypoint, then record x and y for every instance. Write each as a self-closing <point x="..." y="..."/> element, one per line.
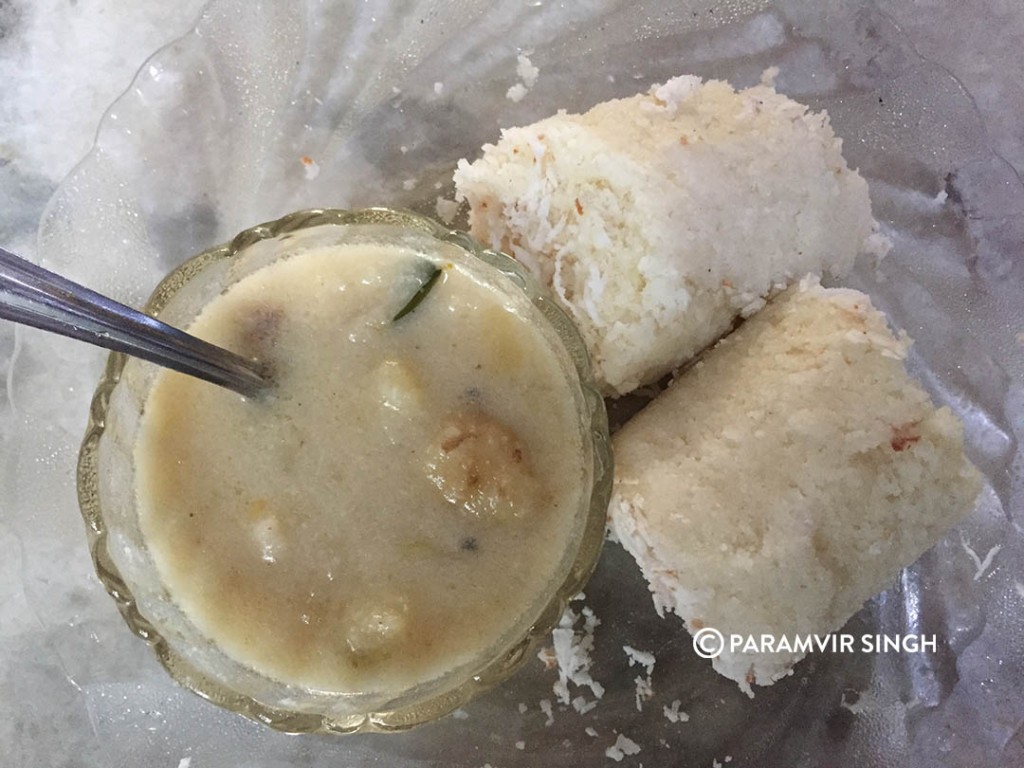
<point x="710" y="643"/>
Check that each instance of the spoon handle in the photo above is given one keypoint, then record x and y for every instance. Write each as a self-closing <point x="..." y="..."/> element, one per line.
<point x="37" y="297"/>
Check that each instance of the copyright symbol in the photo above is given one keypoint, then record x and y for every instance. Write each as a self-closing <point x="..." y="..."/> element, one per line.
<point x="708" y="642"/>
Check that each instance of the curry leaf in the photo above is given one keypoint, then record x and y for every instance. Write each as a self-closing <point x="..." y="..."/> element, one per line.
<point x="420" y="294"/>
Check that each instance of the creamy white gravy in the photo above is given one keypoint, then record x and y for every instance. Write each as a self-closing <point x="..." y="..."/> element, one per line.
<point x="405" y="492"/>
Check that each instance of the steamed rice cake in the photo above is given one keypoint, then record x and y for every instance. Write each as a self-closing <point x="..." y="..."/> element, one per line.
<point x="788" y="476"/>
<point x="656" y="220"/>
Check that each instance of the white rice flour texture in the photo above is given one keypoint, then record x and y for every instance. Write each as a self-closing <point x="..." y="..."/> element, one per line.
<point x="656" y="220"/>
<point x="788" y="476"/>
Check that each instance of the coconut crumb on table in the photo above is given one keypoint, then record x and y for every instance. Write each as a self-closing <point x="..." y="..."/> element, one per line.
<point x="312" y="169"/>
<point x="644" y="658"/>
<point x="547" y="657"/>
<point x="516" y="92"/>
<point x="623" y="746"/>
<point x="673" y="715"/>
<point x="528" y="74"/>
<point x="583" y="706"/>
<point x="644" y="691"/>
<point x="522" y="708"/>
<point x="545" y="707"/>
<point x="590" y="731"/>
<point x="570" y="653"/>
<point x="520" y="745"/>
<point x="446" y="209"/>
<point x="644" y="687"/>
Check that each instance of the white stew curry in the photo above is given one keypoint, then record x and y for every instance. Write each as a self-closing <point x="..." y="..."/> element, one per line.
<point x="401" y="496"/>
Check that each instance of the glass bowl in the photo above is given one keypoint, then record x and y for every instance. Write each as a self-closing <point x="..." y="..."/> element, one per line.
<point x="107" y="486"/>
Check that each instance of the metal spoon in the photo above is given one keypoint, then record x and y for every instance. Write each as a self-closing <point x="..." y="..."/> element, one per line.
<point x="37" y="297"/>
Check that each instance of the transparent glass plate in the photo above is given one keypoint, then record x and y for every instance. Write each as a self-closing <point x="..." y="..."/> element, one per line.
<point x="270" y="107"/>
